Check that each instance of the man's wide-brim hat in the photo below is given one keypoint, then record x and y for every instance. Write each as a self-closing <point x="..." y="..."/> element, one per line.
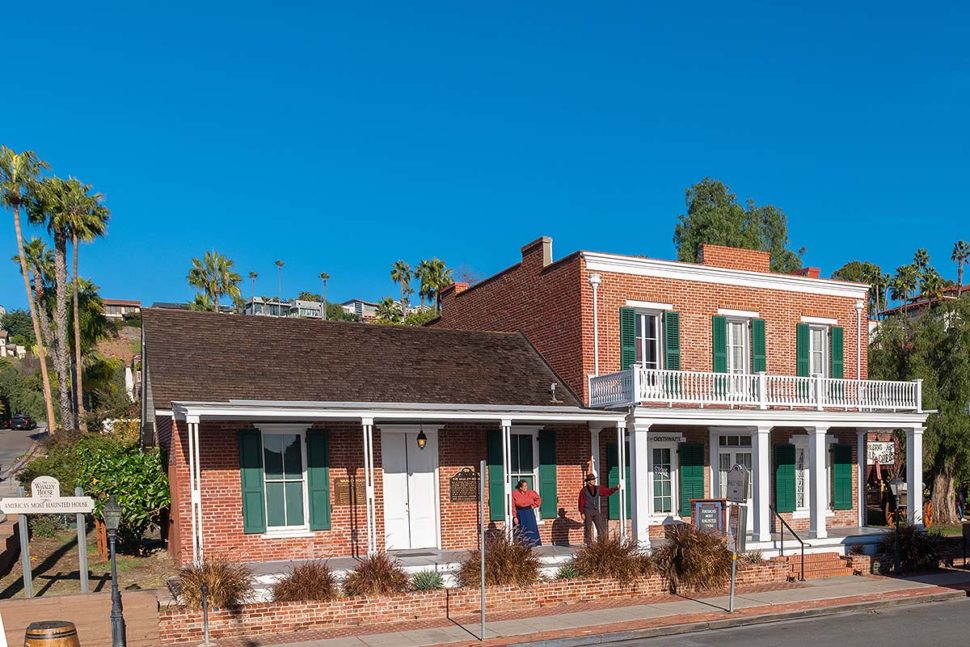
<point x="590" y="477"/>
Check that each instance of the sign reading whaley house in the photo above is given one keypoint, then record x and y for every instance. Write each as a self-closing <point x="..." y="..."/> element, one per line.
<point x="47" y="499"/>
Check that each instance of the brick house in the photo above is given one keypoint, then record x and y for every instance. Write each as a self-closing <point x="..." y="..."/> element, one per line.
<point x="715" y="364"/>
<point x="298" y="438"/>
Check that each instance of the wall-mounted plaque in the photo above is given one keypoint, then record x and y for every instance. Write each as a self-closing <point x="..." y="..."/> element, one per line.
<point x="349" y="491"/>
<point x="464" y="486"/>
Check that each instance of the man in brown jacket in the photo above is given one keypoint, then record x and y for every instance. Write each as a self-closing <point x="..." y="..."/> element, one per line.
<point x="590" y="498"/>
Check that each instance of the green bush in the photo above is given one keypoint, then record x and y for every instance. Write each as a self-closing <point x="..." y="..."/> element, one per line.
<point x="229" y="584"/>
<point x="106" y="464"/>
<point x="376" y="575"/>
<point x="567" y="571"/>
<point x="428" y="580"/>
<point x="613" y="558"/>
<point x="692" y="558"/>
<point x="918" y="549"/>
<point x="45" y="525"/>
<point x="507" y="562"/>
<point x="308" y="581"/>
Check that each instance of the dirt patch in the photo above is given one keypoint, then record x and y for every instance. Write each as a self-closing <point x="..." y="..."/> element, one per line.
<point x="54" y="565"/>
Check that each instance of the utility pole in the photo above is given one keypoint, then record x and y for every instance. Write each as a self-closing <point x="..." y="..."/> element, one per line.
<point x="323" y="292"/>
<point x="279" y="292"/>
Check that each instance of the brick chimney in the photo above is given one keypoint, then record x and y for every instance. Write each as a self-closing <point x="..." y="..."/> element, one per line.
<point x="538" y="253"/>
<point x="735" y="258"/>
<point x="450" y="292"/>
<point x="810" y="272"/>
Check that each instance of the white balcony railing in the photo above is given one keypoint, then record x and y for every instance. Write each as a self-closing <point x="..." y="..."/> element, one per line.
<point x="760" y="390"/>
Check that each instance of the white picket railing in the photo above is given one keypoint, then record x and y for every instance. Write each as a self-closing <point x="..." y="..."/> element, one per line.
<point x="761" y="390"/>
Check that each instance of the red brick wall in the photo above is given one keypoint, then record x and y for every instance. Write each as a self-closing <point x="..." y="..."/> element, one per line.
<point x="460" y="446"/>
<point x="734" y="258"/>
<point x="183" y="626"/>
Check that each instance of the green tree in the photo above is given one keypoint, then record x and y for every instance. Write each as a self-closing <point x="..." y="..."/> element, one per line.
<point x="215" y="276"/>
<point x="401" y="274"/>
<point x="389" y="311"/>
<point x="40" y="265"/>
<point x="434" y="276"/>
<point x="905" y="282"/>
<point x="252" y="279"/>
<point x="934" y="345"/>
<point x="714" y="216"/>
<point x="19" y="176"/>
<point x="17" y="323"/>
<point x="960" y="256"/>
<point x="870" y="273"/>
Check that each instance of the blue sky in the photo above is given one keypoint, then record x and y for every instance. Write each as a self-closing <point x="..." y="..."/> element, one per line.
<point x="341" y="137"/>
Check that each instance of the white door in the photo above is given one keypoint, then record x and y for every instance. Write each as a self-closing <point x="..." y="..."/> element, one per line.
<point x="410" y="490"/>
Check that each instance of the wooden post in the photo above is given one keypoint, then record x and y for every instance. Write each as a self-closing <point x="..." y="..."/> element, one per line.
<point x="82" y="546"/>
<point x="25" y="551"/>
<point x="101" y="533"/>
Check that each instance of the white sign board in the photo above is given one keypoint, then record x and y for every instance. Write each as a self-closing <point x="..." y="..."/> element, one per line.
<point x="47" y="499"/>
<point x="884" y="452"/>
<point x="737" y="485"/>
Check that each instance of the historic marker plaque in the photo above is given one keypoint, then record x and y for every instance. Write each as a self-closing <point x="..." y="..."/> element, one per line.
<point x="349" y="491"/>
<point x="709" y="515"/>
<point x="464" y="486"/>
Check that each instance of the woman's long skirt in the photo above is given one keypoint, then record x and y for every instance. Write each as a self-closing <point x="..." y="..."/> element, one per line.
<point x="528" y="528"/>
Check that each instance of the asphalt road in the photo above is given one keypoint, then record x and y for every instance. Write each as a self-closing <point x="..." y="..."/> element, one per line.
<point x="14" y="444"/>
<point x="935" y="623"/>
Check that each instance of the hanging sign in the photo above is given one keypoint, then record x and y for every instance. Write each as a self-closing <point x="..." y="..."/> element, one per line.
<point x="737" y="484"/>
<point x="46" y="499"/>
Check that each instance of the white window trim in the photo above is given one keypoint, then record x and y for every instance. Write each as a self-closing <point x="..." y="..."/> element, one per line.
<point x="658" y="313"/>
<point x="741" y="314"/>
<point x="826" y="362"/>
<point x="282" y="532"/>
<point x="657" y="518"/>
<point x="648" y="305"/>
<point x="533" y="430"/>
<point x="801" y="441"/>
<point x="822" y="321"/>
<point x="746" y="354"/>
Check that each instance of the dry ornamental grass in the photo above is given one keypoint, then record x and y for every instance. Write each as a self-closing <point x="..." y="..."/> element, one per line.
<point x="613" y="558"/>
<point x="507" y="562"/>
<point x="694" y="559"/>
<point x="376" y="575"/>
<point x="310" y="581"/>
<point x="229" y="584"/>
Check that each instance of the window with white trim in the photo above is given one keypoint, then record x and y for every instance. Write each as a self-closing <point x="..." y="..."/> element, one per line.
<point x="738" y="346"/>
<point x="818" y="350"/>
<point x="524" y="457"/>
<point x="649" y="337"/>
<point x="284" y="478"/>
<point x="802" y="474"/>
<point x="662" y="470"/>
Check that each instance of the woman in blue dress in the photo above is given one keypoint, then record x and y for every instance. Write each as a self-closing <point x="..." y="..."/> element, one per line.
<point x="526" y="502"/>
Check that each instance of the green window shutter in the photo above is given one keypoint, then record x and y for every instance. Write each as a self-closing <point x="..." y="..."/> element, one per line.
<point x="671" y="341"/>
<point x="785" y="478"/>
<point x="318" y="477"/>
<point x="842" y="477"/>
<point x="613" y="480"/>
<point x="628" y="338"/>
<point x="837" y="354"/>
<point x="691" y="457"/>
<point x="759" y="356"/>
<point x="547" y="474"/>
<point x="802" y="365"/>
<point x="496" y="484"/>
<point x="719" y="342"/>
<point x="251" y="475"/>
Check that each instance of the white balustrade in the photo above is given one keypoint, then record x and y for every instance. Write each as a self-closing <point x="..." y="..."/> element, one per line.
<point x="761" y="390"/>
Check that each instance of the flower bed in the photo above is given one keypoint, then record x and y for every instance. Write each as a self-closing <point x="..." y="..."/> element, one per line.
<point x="179" y="625"/>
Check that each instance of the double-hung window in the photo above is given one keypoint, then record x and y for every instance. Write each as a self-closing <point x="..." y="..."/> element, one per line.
<point x="523" y="459"/>
<point x="663" y="481"/>
<point x="284" y="475"/>
<point x="738" y="346"/>
<point x="818" y="350"/>
<point x="648" y="339"/>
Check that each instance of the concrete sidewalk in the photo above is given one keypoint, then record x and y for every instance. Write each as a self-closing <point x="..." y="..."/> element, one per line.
<point x="572" y="626"/>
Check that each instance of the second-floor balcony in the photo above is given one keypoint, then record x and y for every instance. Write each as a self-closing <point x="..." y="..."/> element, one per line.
<point x="638" y="385"/>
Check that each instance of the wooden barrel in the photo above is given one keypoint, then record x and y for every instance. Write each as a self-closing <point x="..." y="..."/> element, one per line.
<point x="51" y="633"/>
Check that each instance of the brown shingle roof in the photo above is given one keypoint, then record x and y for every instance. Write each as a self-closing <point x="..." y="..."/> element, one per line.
<point x="199" y="356"/>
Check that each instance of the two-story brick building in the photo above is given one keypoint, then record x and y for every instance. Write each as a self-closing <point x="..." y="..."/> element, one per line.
<point x="715" y="364"/>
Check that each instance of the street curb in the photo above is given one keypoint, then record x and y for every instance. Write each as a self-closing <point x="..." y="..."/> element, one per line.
<point x="727" y="623"/>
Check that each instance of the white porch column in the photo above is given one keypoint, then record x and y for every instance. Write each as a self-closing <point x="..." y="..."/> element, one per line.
<point x="817" y="477"/>
<point x="640" y="477"/>
<point x="861" y="460"/>
<point x="914" y="474"/>
<point x="195" y="489"/>
<point x="594" y="455"/>
<point x="506" y="472"/>
<point x="712" y="449"/>
<point x="621" y="460"/>
<point x="761" y="485"/>
<point x="370" y="508"/>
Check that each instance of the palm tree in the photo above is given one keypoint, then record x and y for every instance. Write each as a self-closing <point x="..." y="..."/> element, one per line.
<point x="87" y="219"/>
<point x="932" y="285"/>
<point x="423" y="273"/>
<point x="905" y="282"/>
<point x="323" y="293"/>
<point x="40" y="265"/>
<point x="215" y="277"/>
<point x="279" y="294"/>
<point x="438" y="277"/>
<point x="252" y="278"/>
<point x="389" y="311"/>
<point x="18" y="178"/>
<point x="960" y="255"/>
<point x="401" y="273"/>
<point x="55" y="207"/>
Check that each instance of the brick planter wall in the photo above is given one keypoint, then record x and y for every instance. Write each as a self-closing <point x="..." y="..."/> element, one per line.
<point x="178" y="625"/>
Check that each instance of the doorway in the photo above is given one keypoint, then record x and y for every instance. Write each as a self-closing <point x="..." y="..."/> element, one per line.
<point x="410" y="488"/>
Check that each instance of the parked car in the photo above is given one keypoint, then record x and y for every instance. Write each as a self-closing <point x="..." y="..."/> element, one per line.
<point x="22" y="421"/>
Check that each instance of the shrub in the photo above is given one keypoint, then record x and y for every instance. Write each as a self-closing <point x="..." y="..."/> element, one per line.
<point x="229" y="584"/>
<point x="614" y="558"/>
<point x="567" y="572"/>
<point x="506" y="562"/>
<point x="693" y="558"/>
<point x="45" y="525"/>
<point x="754" y="557"/>
<point x="918" y="550"/>
<point x="376" y="575"/>
<point x="308" y="581"/>
<point x="427" y="581"/>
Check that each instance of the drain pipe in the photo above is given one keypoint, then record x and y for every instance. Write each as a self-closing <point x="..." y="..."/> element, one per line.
<point x="594" y="281"/>
<point x="859" y="305"/>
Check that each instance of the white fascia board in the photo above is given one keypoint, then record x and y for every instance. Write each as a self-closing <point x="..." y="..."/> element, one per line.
<point x="638" y="266"/>
<point x="648" y="305"/>
<point x="746" y="314"/>
<point x="777" y="417"/>
<point x="822" y="321"/>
